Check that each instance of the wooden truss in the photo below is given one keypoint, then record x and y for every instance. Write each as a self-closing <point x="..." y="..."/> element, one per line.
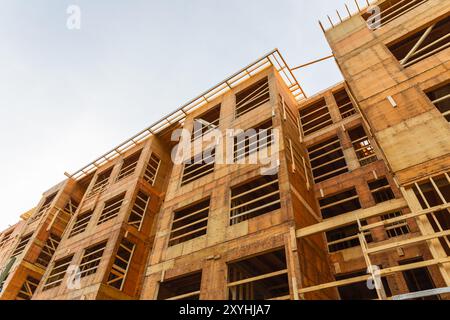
<point x="152" y="169"/>
<point x="121" y="264"/>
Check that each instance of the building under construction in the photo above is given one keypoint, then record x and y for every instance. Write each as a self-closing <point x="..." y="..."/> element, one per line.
<point x="357" y="208"/>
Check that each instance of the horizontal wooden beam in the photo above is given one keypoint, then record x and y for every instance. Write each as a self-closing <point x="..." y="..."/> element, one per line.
<point x="351" y="217"/>
<point x="407" y="242"/>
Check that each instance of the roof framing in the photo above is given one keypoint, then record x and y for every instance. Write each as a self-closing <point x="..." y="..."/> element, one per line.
<point x="273" y="58"/>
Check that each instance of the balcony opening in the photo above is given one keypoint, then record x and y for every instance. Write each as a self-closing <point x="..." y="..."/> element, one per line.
<point x="252" y="97"/>
<point x="440" y="97"/>
<point x="345" y="105"/>
<point x="206" y="122"/>
<point x="246" y="144"/>
<point x="151" y="171"/>
<point x="183" y="288"/>
<point x="121" y="264"/>
<point x="425" y="42"/>
<point x="111" y="209"/>
<point x="418" y="279"/>
<point x="138" y="210"/>
<point x="129" y="165"/>
<point x="81" y="223"/>
<point x="346" y="237"/>
<point x="340" y="203"/>
<point x="362" y="146"/>
<point x="359" y="290"/>
<point x="28" y="288"/>
<point x="327" y="159"/>
<point x="48" y="250"/>
<point x="381" y="190"/>
<point x="395" y="229"/>
<point x="199" y="166"/>
<point x="91" y="259"/>
<point x="100" y="183"/>
<point x="434" y="192"/>
<point x="261" y="277"/>
<point x="254" y="198"/>
<point x="57" y="273"/>
<point x="190" y="223"/>
<point x="22" y="244"/>
<point x="315" y="117"/>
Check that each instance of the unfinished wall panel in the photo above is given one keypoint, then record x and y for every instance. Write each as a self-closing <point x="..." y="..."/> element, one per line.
<point x="189" y="223"/>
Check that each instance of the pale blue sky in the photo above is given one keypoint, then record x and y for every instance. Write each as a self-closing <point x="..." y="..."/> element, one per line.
<point x="67" y="96"/>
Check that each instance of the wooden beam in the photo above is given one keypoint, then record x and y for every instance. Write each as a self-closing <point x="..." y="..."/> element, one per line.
<point x="351" y="217"/>
<point x="312" y="62"/>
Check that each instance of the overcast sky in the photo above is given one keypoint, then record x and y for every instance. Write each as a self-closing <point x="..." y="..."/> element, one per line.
<point x="68" y="96"/>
